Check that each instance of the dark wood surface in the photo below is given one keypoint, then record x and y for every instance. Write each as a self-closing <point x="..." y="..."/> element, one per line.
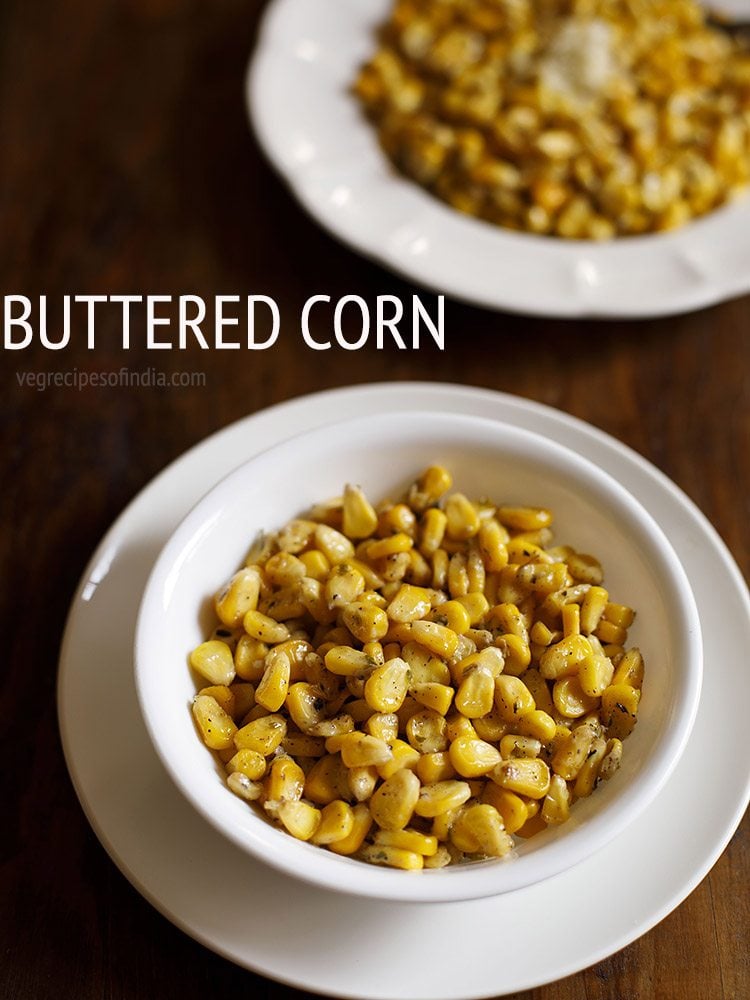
<point x="126" y="165"/>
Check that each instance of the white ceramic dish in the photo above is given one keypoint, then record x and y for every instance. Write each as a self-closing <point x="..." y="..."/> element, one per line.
<point x="311" y="129"/>
<point x="383" y="454"/>
<point x="157" y="839"/>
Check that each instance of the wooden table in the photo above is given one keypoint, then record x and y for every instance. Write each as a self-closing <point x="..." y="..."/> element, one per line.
<point x="127" y="166"/>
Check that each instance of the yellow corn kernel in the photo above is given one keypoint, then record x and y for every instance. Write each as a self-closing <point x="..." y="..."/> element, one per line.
<point x="568" y="758"/>
<point x="440" y="563"/>
<point x="592" y="609"/>
<point x="491" y="727"/>
<point x="475" y="604"/>
<point x="239" y="596"/>
<point x="248" y="762"/>
<point x="585" y="568"/>
<point x="516" y="654"/>
<point x="249" y="658"/>
<point x="384" y="547"/>
<point x="419" y="571"/>
<point x="537" y="724"/>
<point x="336" y="823"/>
<point x="438" y="639"/>
<point x="458" y="576"/>
<point x="393" y="857"/>
<point x="408" y="840"/>
<point x="611" y="760"/>
<point x="512" y="698"/>
<point x="453" y="614"/>
<point x="514" y="745"/>
<point x="284" y="604"/>
<point x="244" y="787"/>
<point x="619" y="614"/>
<point x="426" y="732"/>
<point x="384" y="726"/>
<point x="262" y="735"/>
<point x="541" y="634"/>
<point x="511" y="807"/>
<point x="399" y="632"/>
<point x="489" y="659"/>
<point x="214" y="661"/>
<point x="571" y="620"/>
<point x="432" y="767"/>
<point x="392" y="804"/>
<point x="317" y="566"/>
<point x="335" y="726"/>
<point x="589" y="773"/>
<point x="493" y="539"/>
<point x="482" y="824"/>
<point x="375" y="651"/>
<point x="440" y="797"/>
<point x="326" y="780"/>
<point x="524" y="775"/>
<point x="365" y="621"/>
<point x="343" y="586"/>
<point x="393" y="569"/>
<point x="432" y="530"/>
<point x="458" y="725"/>
<point x="305" y="705"/>
<point x="570" y="700"/>
<point x="372" y="579"/>
<point x="302" y="745"/>
<point x="274" y="685"/>
<point x="462" y="517"/>
<point x="630" y="669"/>
<point x="429" y="487"/>
<point x="335" y="547"/>
<point x="595" y="674"/>
<point x="361" y="750"/>
<point x="361" y="823"/>
<point x="386" y="687"/>
<point x="312" y="595"/>
<point x="224" y="696"/>
<point x="300" y="818"/>
<point x="476" y="693"/>
<point x="296" y="535"/>
<point x="404" y="756"/>
<point x="473" y="757"/>
<point x="437" y="697"/>
<point x="346" y="661"/>
<point x="564" y="658"/>
<point x="409" y="604"/>
<point x="216" y="727"/>
<point x="524" y="518"/>
<point x="425" y="668"/>
<point x="361" y="782"/>
<point x="284" y="570"/>
<point x="556" y="805"/>
<point x="606" y="632"/>
<point x="359" y="517"/>
<point x="285" y="780"/>
<point x="260" y="626"/>
<point x="537" y="576"/>
<point x="619" y="709"/>
<point x="396" y="518"/>
<point x="509" y="619"/>
<point x="477" y="575"/>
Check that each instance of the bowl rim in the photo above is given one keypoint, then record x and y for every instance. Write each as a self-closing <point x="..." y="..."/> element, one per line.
<point x="321" y="868"/>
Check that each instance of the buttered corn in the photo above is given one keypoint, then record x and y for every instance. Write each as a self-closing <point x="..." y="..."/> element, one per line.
<point x="414" y="683"/>
<point x="581" y="119"/>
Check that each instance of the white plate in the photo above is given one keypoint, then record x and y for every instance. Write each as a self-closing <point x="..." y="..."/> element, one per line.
<point x="312" y="130"/>
<point x="238" y="907"/>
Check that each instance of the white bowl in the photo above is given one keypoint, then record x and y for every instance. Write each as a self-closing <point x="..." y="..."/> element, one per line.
<point x="382" y="454"/>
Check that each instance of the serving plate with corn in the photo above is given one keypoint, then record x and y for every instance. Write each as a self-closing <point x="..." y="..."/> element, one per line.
<point x="570" y="158"/>
<point x="136" y="809"/>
